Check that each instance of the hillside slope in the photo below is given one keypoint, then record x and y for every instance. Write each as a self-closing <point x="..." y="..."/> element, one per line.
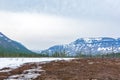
<point x="102" y="45"/>
<point x="9" y="46"/>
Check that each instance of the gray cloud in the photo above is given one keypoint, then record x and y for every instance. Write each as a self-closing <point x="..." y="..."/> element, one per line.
<point x="41" y="23"/>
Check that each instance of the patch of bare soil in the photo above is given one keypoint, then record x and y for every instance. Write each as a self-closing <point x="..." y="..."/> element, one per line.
<point x="77" y="69"/>
<point x="82" y="69"/>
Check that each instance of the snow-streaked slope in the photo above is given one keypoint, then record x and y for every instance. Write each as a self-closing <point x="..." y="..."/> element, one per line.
<point x="16" y="62"/>
<point x="100" y="45"/>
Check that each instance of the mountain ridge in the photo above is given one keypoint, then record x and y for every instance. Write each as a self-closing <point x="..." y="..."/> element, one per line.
<point x="10" y="46"/>
<point x="96" y="45"/>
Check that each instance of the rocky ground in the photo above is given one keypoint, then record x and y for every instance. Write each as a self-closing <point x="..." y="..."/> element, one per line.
<point x="77" y="69"/>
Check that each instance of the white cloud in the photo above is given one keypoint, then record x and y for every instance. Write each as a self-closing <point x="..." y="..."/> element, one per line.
<point x="40" y="31"/>
<point x="39" y="28"/>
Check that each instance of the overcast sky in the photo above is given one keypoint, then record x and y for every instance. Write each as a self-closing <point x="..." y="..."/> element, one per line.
<point x="39" y="24"/>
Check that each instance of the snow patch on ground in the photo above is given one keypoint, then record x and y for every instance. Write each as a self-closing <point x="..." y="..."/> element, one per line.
<point x="16" y="62"/>
<point x="29" y="74"/>
<point x="6" y="70"/>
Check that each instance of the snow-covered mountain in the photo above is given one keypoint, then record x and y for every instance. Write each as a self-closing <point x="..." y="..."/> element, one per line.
<point x="101" y="45"/>
<point x="9" y="46"/>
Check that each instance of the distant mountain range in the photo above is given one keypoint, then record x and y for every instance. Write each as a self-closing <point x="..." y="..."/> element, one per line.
<point x="86" y="46"/>
<point x="9" y="46"/>
<point x="101" y="45"/>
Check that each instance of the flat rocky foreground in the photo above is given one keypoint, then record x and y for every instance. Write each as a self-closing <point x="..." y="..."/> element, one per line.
<point x="77" y="69"/>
